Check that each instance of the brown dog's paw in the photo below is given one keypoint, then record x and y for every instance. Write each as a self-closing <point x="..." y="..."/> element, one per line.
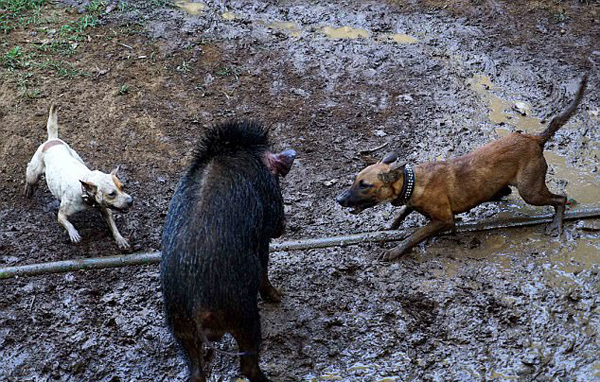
<point x="554" y="230"/>
<point x="392" y="254"/>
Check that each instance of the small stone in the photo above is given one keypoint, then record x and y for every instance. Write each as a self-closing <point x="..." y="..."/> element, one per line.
<point x="521" y="107"/>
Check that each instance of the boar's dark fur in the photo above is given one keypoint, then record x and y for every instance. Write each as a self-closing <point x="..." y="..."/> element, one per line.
<point x="224" y="212"/>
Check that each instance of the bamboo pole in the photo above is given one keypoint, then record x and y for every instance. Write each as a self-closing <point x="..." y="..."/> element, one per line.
<point x="147" y="258"/>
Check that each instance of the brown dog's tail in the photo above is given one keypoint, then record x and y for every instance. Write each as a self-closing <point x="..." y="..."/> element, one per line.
<point x="558" y="121"/>
<point x="52" y="125"/>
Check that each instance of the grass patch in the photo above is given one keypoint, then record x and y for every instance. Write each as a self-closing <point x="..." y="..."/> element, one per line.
<point x="13" y="58"/>
<point x="16" y="13"/>
<point x="229" y="70"/>
<point x="124" y="89"/>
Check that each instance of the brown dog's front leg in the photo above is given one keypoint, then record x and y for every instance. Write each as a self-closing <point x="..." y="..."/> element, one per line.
<point x="404" y="212"/>
<point x="430" y="229"/>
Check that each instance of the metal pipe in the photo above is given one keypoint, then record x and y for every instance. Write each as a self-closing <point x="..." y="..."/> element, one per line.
<point x="148" y="258"/>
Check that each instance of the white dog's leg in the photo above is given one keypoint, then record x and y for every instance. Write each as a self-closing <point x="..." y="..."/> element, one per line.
<point x="35" y="168"/>
<point x="63" y="213"/>
<point x="108" y="217"/>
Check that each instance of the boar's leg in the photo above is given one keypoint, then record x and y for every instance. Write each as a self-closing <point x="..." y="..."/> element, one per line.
<point x="267" y="291"/>
<point x="248" y="339"/>
<point x="192" y="347"/>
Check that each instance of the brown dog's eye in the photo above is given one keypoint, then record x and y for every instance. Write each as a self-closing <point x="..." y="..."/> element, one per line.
<point x="363" y="185"/>
<point x="112" y="194"/>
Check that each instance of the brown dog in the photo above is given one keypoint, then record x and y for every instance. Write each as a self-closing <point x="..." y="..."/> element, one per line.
<point x="439" y="190"/>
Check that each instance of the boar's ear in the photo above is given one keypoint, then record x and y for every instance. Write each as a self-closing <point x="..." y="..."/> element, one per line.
<point x="280" y="163"/>
<point x="389" y="158"/>
<point x="115" y="170"/>
<point x="393" y="175"/>
<point x="89" y="187"/>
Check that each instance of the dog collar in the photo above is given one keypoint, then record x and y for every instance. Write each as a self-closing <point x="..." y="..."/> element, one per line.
<point x="408" y="185"/>
<point x="88" y="199"/>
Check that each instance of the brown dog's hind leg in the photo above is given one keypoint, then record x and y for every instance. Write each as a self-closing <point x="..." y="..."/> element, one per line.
<point x="534" y="191"/>
<point x="434" y="227"/>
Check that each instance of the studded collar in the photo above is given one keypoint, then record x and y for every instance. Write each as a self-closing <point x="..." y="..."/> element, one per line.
<point x="408" y="185"/>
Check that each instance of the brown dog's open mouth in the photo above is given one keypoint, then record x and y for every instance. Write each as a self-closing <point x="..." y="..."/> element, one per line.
<point x="356" y="209"/>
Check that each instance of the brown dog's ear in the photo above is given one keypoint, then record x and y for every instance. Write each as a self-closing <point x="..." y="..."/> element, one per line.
<point x="389" y="158"/>
<point x="115" y="170"/>
<point x="281" y="163"/>
<point x="368" y="159"/>
<point x="393" y="175"/>
<point x="89" y="187"/>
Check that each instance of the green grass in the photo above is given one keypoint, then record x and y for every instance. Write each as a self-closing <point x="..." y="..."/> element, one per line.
<point x="13" y="58"/>
<point x="16" y="13"/>
<point x="124" y="89"/>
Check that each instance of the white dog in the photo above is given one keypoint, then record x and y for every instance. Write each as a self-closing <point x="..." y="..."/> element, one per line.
<point x="76" y="186"/>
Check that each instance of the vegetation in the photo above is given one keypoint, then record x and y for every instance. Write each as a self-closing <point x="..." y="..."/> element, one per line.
<point x="16" y="13"/>
<point x="56" y="37"/>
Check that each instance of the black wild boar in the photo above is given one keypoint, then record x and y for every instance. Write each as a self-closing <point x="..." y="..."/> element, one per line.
<point x="215" y="248"/>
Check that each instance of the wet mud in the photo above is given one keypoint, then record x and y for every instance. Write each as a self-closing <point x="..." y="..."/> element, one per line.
<point x="430" y="80"/>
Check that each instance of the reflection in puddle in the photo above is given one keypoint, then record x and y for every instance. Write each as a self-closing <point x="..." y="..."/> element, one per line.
<point x="345" y="32"/>
<point x="191" y="8"/>
<point x="502" y="111"/>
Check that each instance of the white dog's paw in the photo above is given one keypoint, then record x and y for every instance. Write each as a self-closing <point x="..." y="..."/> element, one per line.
<point x="74" y="236"/>
<point x="122" y="243"/>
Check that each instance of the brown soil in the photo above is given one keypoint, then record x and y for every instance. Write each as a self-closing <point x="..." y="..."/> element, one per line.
<point x="148" y="79"/>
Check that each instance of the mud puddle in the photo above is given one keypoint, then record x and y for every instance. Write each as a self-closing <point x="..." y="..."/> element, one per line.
<point x="507" y="305"/>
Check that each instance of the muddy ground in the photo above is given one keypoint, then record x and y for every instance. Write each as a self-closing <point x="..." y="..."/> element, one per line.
<point x="429" y="79"/>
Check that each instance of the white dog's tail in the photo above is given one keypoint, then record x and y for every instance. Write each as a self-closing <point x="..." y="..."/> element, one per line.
<point x="52" y="124"/>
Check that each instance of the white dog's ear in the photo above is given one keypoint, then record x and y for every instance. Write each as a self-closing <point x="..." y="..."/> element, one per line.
<point x="89" y="187"/>
<point x="115" y="170"/>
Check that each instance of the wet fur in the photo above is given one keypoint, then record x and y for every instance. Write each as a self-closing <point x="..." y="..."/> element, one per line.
<point x="66" y="174"/>
<point x="445" y="188"/>
<point x="224" y="212"/>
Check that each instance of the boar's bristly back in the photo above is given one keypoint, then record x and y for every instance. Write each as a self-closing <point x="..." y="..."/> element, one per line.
<point x="230" y="137"/>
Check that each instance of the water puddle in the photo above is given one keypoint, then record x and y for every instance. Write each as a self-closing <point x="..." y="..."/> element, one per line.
<point x="337" y="33"/>
<point x="564" y="258"/>
<point x="288" y="26"/>
<point x="190" y="7"/>
<point x="345" y="32"/>
<point x="504" y="112"/>
<point x="402" y="38"/>
<point x="575" y="257"/>
<point x="582" y="186"/>
<point x="229" y="16"/>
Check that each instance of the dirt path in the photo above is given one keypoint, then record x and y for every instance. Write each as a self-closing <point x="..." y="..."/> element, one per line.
<point x="432" y="80"/>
